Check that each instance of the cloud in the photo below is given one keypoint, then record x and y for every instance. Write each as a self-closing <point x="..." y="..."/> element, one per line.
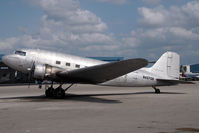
<point x="8" y="43"/>
<point x="120" y="2"/>
<point x="114" y="1"/>
<point x="160" y="30"/>
<point x="65" y="25"/>
<point x="152" y="2"/>
<point x="154" y="16"/>
<point x="186" y="16"/>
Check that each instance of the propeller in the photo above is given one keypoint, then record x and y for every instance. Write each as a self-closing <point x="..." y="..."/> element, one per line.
<point x="30" y="73"/>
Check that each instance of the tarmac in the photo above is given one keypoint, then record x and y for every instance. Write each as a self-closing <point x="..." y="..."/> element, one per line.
<point x="99" y="109"/>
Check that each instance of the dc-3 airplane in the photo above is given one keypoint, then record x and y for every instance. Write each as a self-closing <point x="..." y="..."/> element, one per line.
<point x="64" y="68"/>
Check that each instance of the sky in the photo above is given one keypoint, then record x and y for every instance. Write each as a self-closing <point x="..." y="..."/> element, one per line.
<point x="127" y="28"/>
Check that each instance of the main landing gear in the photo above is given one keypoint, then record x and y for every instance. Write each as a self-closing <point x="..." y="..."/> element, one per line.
<point x="59" y="92"/>
<point x="157" y="91"/>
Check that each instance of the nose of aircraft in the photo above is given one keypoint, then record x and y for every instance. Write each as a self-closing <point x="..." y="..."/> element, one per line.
<point x="13" y="61"/>
<point x="4" y="59"/>
<point x="8" y="60"/>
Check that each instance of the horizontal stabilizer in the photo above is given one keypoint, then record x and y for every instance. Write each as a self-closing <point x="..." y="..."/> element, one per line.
<point x="175" y="81"/>
<point x="104" y="72"/>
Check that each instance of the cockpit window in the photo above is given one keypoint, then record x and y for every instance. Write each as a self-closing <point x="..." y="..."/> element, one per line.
<point x="20" y="53"/>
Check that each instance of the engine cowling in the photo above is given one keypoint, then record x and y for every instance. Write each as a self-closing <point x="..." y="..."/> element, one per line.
<point x="44" y="71"/>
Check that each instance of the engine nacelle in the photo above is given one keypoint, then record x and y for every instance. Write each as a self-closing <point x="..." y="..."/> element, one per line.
<point x="44" y="71"/>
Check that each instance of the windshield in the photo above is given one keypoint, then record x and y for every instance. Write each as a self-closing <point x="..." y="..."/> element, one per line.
<point x="20" y="53"/>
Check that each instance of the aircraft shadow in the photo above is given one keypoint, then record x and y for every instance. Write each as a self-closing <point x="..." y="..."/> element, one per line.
<point x="68" y="97"/>
<point x="83" y="97"/>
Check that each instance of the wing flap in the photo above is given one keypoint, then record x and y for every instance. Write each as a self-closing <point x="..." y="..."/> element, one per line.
<point x="104" y="72"/>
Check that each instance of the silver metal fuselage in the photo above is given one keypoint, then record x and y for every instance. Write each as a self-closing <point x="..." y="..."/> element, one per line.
<point x="141" y="77"/>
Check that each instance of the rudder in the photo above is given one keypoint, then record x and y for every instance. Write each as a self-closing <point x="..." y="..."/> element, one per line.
<point x="167" y="66"/>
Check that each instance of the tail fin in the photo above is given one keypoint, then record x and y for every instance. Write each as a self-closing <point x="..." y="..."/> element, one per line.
<point x="167" y="66"/>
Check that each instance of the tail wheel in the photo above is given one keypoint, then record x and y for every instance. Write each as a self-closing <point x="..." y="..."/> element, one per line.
<point x="157" y="91"/>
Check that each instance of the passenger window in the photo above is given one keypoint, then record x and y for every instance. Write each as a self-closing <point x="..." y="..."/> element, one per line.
<point x="77" y="66"/>
<point x="20" y="53"/>
<point x="58" y="62"/>
<point x="67" y="64"/>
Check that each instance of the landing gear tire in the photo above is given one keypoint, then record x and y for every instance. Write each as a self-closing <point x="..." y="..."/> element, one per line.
<point x="49" y="92"/>
<point x="157" y="91"/>
<point x="59" y="93"/>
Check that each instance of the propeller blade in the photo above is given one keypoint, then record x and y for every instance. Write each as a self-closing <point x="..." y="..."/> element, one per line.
<point x="30" y="74"/>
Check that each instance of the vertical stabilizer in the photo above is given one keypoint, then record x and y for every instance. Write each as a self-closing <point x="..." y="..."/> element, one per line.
<point x="167" y="66"/>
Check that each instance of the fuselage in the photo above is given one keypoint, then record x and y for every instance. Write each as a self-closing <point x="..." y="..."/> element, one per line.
<point x="22" y="60"/>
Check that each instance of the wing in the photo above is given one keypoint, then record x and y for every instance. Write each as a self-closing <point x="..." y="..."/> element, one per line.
<point x="104" y="72"/>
